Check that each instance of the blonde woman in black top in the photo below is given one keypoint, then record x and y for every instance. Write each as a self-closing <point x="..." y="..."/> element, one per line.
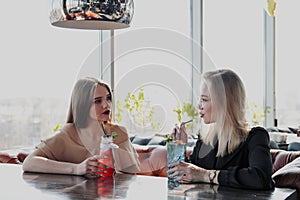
<point x="228" y="153"/>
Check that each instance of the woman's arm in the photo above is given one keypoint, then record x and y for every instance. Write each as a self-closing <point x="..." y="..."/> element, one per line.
<point x="38" y="162"/>
<point x="189" y="172"/>
<point x="179" y="133"/>
<point x="258" y="174"/>
<point x="126" y="157"/>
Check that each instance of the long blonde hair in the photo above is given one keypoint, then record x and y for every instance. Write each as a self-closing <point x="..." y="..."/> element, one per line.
<point x="228" y="98"/>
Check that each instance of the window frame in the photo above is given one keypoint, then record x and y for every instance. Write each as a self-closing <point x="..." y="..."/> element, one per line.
<point x="107" y="56"/>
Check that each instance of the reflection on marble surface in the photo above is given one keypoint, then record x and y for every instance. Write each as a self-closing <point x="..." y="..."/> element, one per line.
<point x="18" y="185"/>
<point x="74" y="187"/>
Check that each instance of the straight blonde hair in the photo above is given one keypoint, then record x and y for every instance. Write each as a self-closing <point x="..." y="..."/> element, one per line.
<point x="228" y="98"/>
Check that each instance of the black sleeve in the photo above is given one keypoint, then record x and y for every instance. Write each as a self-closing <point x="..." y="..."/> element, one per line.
<point x="258" y="174"/>
<point x="195" y="152"/>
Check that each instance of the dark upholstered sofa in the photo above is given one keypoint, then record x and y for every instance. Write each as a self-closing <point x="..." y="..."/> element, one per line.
<point x="286" y="168"/>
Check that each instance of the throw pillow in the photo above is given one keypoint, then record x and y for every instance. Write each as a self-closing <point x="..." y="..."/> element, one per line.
<point x="288" y="176"/>
<point x="141" y="140"/>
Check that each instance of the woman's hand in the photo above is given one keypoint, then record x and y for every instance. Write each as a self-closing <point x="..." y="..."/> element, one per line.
<point x="91" y="168"/>
<point x="188" y="172"/>
<point x="179" y="133"/>
<point x="88" y="168"/>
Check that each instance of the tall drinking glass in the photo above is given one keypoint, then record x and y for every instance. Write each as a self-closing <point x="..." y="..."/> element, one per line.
<point x="175" y="153"/>
<point x="106" y="157"/>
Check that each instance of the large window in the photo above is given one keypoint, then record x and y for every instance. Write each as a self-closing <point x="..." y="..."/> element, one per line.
<point x="287" y="63"/>
<point x="39" y="66"/>
<point x="233" y="38"/>
<point x="153" y="58"/>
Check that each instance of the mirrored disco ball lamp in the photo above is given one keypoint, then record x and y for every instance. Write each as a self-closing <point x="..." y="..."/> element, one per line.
<point x="92" y="14"/>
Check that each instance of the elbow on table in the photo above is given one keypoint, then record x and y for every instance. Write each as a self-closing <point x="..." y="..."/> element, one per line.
<point x="260" y="177"/>
<point x="263" y="182"/>
<point x="27" y="165"/>
<point x="265" y="185"/>
<point x="254" y="180"/>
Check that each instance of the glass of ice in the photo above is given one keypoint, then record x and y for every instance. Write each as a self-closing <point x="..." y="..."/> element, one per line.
<point x="175" y="153"/>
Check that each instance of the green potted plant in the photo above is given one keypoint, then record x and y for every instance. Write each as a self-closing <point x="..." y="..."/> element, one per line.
<point x="139" y="109"/>
<point x="189" y="112"/>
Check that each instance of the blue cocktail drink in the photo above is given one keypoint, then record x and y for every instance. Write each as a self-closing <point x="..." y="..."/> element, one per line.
<point x="176" y="153"/>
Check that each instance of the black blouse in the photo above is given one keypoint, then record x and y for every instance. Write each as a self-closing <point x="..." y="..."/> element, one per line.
<point x="249" y="166"/>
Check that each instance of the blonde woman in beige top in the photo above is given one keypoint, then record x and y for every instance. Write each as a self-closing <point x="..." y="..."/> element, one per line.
<point x="75" y="148"/>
